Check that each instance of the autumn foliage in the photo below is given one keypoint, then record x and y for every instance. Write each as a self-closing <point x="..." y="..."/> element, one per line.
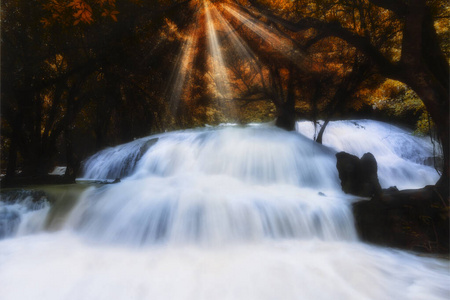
<point x="78" y="11"/>
<point x="79" y="75"/>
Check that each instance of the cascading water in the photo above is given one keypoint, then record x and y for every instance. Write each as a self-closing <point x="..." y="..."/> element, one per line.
<point x="404" y="160"/>
<point x="212" y="186"/>
<point x="214" y="213"/>
<point x="22" y="212"/>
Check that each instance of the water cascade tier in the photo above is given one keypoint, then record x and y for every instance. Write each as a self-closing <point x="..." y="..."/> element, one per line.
<point x="22" y="212"/>
<point x="212" y="186"/>
<point x="404" y="160"/>
<point x="223" y="212"/>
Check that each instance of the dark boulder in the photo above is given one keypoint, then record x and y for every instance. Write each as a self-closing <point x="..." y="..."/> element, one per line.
<point x="358" y="176"/>
<point x="348" y="167"/>
<point x="391" y="189"/>
<point x="410" y="219"/>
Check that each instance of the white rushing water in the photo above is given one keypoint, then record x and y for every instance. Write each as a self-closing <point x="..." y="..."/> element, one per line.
<point x="22" y="212"/>
<point x="404" y="160"/>
<point x="213" y="213"/>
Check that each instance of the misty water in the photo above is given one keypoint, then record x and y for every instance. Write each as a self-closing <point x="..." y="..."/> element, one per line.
<point x="224" y="212"/>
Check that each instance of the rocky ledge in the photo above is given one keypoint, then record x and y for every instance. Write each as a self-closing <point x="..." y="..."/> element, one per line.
<point x="416" y="220"/>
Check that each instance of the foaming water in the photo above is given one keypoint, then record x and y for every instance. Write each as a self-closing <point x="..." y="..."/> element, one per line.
<point x="60" y="266"/>
<point x="403" y="159"/>
<point x="22" y="213"/>
<point x="116" y="162"/>
<point x="260" y="155"/>
<point x="209" y="210"/>
<point x="215" y="186"/>
<point x="215" y="213"/>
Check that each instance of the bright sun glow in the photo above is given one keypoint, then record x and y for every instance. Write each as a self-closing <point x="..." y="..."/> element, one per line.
<point x="225" y="46"/>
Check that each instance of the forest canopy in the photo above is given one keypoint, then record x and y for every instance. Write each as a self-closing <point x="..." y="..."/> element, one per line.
<point x="80" y="75"/>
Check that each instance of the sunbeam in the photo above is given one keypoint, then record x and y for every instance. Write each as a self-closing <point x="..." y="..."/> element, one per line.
<point x="182" y="69"/>
<point x="237" y="42"/>
<point x="219" y="71"/>
<point x="279" y="44"/>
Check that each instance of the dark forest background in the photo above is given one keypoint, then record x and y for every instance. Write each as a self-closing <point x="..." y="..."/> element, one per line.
<point x="80" y="75"/>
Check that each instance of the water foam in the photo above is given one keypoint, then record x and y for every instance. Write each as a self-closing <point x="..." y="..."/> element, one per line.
<point x="60" y="266"/>
<point x="22" y="212"/>
<point x="403" y="158"/>
<point x="215" y="213"/>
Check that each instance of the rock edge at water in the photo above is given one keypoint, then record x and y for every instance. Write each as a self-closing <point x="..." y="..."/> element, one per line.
<point x="358" y="176"/>
<point x="415" y="220"/>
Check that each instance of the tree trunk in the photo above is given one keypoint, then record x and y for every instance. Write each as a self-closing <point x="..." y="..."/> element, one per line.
<point x="286" y="115"/>
<point x="12" y="153"/>
<point x="436" y="100"/>
<point x="322" y="130"/>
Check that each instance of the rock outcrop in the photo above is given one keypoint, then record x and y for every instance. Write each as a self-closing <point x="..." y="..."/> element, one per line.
<point x="410" y="219"/>
<point x="358" y="176"/>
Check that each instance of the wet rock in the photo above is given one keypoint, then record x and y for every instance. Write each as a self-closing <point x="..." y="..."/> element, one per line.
<point x="358" y="176"/>
<point x="436" y="162"/>
<point x="348" y="168"/>
<point x="410" y="219"/>
<point x="117" y="180"/>
<point x="391" y="189"/>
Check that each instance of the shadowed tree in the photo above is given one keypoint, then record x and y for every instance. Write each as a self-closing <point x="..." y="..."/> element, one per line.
<point x="398" y="37"/>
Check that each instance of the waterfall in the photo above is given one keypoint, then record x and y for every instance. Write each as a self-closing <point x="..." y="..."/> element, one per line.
<point x="214" y="186"/>
<point x="224" y="212"/>
<point x="23" y="212"/>
<point x="404" y="160"/>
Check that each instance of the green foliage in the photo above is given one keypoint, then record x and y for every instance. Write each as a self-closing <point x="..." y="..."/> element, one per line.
<point x="398" y="101"/>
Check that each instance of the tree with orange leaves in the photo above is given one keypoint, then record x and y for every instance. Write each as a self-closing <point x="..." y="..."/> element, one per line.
<point x="400" y="38"/>
<point x="73" y="12"/>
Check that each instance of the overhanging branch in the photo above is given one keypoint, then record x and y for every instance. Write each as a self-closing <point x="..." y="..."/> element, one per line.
<point x="327" y="29"/>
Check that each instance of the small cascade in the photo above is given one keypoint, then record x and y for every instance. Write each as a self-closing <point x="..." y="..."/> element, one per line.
<point x="258" y="155"/>
<point x="209" y="210"/>
<point x="403" y="159"/>
<point x="230" y="183"/>
<point x="211" y="186"/>
<point x="22" y="212"/>
<point x="214" y="213"/>
<point x="116" y="162"/>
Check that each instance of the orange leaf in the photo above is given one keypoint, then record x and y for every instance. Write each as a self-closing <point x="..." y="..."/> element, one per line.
<point x="77" y="14"/>
<point x="87" y="7"/>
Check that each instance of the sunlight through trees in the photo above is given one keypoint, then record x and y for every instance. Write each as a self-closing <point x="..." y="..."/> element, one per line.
<point x="79" y="75"/>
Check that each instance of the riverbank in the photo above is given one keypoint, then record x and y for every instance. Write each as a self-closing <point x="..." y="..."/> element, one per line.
<point x="21" y="182"/>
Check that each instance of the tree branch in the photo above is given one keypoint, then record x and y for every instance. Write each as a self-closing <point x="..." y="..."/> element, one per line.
<point x="335" y="29"/>
<point x="396" y="6"/>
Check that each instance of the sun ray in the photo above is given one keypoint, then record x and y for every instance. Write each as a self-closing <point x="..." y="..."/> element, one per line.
<point x="182" y="69"/>
<point x="237" y="42"/>
<point x="280" y="44"/>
